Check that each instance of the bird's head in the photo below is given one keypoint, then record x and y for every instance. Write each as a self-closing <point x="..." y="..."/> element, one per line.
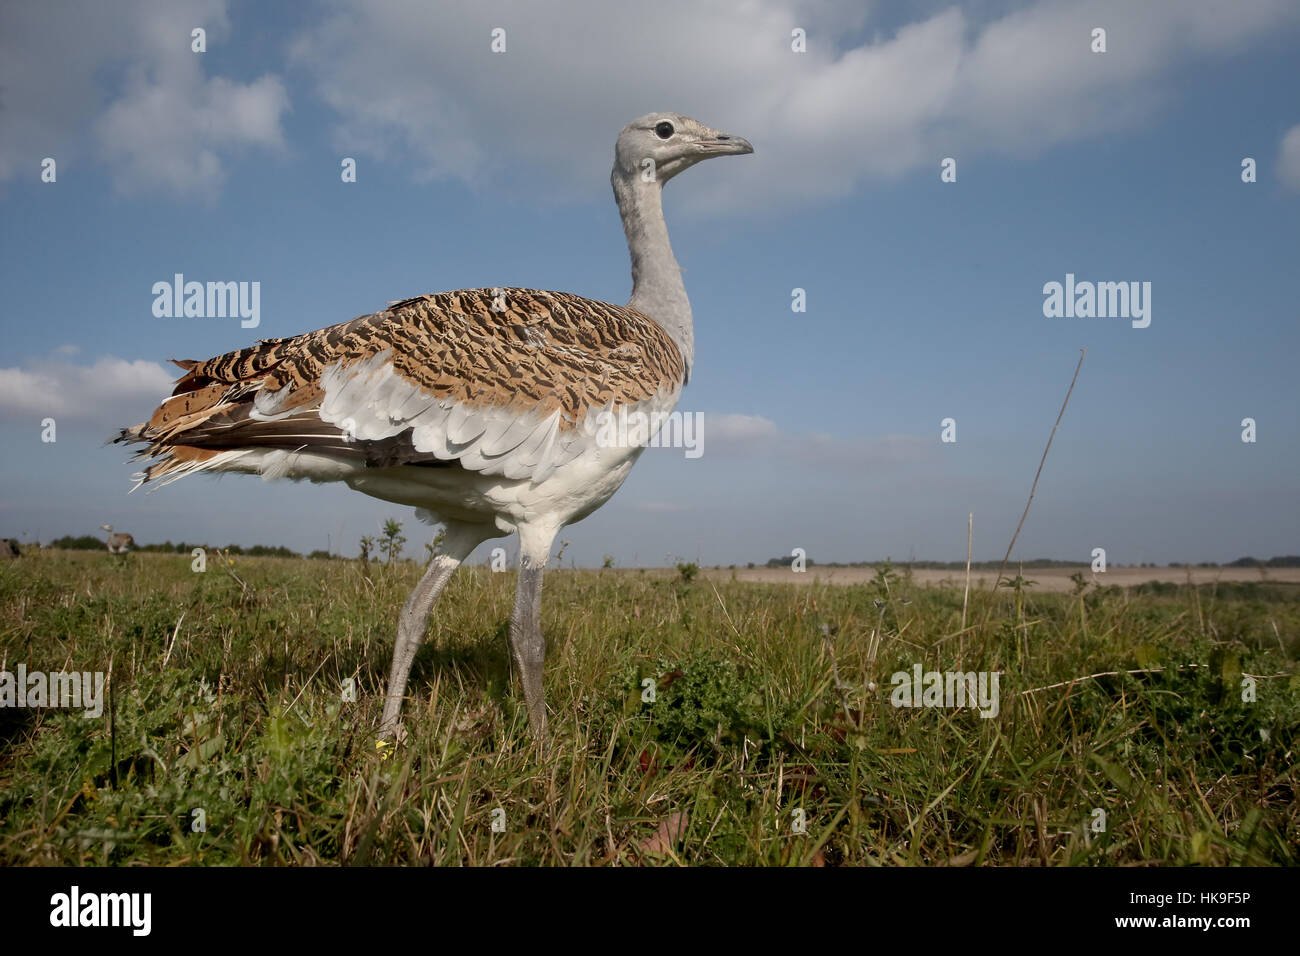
<point x="661" y="145"/>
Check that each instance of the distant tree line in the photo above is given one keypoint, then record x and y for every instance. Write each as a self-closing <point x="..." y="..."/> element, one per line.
<point x="88" y="542"/>
<point x="785" y="561"/>
<point x="390" y="544"/>
<point x="1284" y="561"/>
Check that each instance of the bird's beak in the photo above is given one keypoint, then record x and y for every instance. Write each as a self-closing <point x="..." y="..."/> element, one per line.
<point x="722" y="144"/>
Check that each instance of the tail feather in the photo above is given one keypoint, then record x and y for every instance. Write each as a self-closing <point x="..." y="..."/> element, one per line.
<point x="212" y="422"/>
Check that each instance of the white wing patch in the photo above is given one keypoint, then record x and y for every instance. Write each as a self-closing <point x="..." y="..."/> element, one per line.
<point x="369" y="401"/>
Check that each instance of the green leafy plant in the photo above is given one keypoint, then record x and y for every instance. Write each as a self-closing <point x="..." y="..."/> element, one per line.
<point x="393" y="540"/>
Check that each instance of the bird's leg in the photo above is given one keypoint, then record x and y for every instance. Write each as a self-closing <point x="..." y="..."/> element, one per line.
<point x="526" y="639"/>
<point x="410" y="633"/>
<point x="460" y="540"/>
<point x="528" y="645"/>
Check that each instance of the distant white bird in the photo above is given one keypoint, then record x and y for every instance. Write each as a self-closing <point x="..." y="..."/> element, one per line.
<point x="119" y="543"/>
<point x="480" y="407"/>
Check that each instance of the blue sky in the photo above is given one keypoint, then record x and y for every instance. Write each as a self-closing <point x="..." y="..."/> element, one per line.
<point x="822" y="428"/>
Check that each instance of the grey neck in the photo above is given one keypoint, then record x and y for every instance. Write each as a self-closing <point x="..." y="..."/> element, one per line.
<point x="657" y="288"/>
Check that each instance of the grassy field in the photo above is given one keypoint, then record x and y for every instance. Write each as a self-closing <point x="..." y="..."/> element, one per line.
<point x="772" y="708"/>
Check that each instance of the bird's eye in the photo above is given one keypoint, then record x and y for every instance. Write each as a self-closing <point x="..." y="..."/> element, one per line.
<point x="664" y="130"/>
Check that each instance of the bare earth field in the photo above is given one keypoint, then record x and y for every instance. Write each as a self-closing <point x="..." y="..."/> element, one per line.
<point x="1047" y="579"/>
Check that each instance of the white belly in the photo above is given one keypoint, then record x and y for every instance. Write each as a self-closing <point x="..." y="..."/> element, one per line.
<point x="570" y="493"/>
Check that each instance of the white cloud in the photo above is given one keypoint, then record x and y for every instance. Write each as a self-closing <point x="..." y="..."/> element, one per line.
<point x="875" y="95"/>
<point x="1288" y="158"/>
<point x="125" y="72"/>
<point x="170" y="132"/>
<point x="753" y="435"/>
<point x="109" y="392"/>
<point x="420" y="83"/>
<point x="739" y="428"/>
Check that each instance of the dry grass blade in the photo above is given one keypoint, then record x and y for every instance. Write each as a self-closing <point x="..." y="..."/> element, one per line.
<point x="1038" y="474"/>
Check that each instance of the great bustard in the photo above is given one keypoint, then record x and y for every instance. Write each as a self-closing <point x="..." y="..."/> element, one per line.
<point x="119" y="543"/>
<point x="480" y="407"/>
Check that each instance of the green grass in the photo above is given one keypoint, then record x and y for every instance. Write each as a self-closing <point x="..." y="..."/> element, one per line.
<point x="246" y="720"/>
